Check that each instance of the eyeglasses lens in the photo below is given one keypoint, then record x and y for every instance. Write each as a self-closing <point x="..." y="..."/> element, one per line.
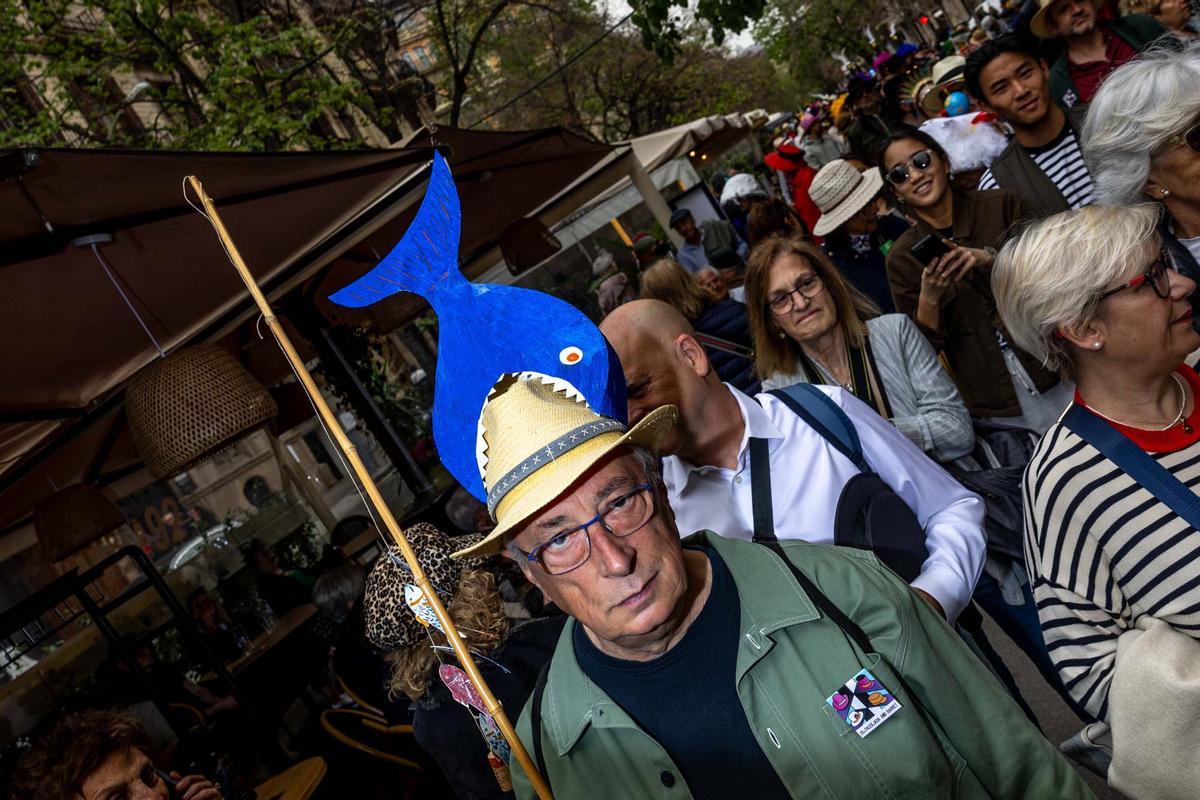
<point x="899" y="173"/>
<point x="1159" y="274"/>
<point x="1192" y="138"/>
<point x="626" y="516"/>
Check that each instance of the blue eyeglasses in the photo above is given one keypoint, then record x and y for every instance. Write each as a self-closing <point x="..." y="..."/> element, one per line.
<point x="568" y="550"/>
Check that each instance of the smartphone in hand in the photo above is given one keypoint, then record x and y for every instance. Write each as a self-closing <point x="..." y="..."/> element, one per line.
<point x="929" y="248"/>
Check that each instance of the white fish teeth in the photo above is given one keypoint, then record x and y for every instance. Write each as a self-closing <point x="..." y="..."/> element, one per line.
<point x="557" y="384"/>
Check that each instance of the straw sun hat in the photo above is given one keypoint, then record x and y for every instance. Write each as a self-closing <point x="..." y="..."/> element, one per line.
<point x="540" y="437"/>
<point x="840" y="191"/>
<point x="1038" y="26"/>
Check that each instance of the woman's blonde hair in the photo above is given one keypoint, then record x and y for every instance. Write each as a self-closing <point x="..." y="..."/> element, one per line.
<point x="1053" y="273"/>
<point x="478" y="613"/>
<point x="668" y="281"/>
<point x="775" y="354"/>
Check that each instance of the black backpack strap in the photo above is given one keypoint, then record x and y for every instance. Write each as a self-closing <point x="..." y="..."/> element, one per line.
<point x="535" y="719"/>
<point x="760" y="490"/>
<point x="827" y="607"/>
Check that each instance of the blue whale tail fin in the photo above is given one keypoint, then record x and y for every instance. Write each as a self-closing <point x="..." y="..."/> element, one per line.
<point x="426" y="258"/>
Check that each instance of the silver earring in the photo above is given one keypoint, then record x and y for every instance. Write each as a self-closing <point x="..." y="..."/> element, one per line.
<point x="782" y="335"/>
<point x="1164" y="192"/>
<point x="1096" y="346"/>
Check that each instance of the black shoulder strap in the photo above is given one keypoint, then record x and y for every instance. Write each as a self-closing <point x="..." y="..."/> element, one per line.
<point x="535" y="719"/>
<point x="827" y="607"/>
<point x="760" y="491"/>
<point x="1135" y="462"/>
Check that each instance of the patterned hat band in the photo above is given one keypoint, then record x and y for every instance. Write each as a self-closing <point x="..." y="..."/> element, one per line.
<point x="543" y="456"/>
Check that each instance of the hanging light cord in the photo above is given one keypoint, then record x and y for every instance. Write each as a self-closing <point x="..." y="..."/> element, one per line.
<point x="117" y="285"/>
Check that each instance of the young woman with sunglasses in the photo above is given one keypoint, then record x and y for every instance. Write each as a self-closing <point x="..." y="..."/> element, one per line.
<point x="950" y="297"/>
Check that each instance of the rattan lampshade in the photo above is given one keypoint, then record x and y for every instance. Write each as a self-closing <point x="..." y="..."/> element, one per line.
<point x="185" y="407"/>
<point x="72" y="518"/>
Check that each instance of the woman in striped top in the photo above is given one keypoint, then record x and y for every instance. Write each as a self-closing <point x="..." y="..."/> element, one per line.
<point x="1091" y="293"/>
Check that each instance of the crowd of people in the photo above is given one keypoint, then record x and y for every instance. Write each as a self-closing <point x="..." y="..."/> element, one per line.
<point x="938" y="356"/>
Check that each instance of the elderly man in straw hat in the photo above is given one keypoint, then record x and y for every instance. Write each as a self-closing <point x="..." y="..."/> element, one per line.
<point x="1093" y="48"/>
<point x="714" y="668"/>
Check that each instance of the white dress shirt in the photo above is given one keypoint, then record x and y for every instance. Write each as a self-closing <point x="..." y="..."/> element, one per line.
<point x="807" y="477"/>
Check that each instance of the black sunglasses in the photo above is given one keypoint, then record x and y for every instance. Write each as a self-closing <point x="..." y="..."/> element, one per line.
<point x="899" y="173"/>
<point x="1190" y="137"/>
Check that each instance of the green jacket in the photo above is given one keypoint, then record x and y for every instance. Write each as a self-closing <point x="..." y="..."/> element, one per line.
<point x="966" y="738"/>
<point x="1138" y="31"/>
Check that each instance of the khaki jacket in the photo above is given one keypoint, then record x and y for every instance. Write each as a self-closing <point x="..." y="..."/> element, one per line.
<point x="957" y="735"/>
<point x="969" y="319"/>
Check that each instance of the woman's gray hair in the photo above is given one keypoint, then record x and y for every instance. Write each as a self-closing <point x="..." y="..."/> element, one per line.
<point x="1054" y="272"/>
<point x="1136" y="111"/>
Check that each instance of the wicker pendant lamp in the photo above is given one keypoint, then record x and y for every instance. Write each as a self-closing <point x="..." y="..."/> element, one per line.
<point x="72" y="518"/>
<point x="191" y="404"/>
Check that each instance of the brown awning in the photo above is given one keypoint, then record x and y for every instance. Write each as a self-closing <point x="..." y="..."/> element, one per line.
<point x="69" y="341"/>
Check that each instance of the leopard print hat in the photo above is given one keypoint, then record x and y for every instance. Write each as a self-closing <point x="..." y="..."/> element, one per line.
<point x="390" y="623"/>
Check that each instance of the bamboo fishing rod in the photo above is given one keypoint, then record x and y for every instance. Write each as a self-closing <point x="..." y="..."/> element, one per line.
<point x="364" y="477"/>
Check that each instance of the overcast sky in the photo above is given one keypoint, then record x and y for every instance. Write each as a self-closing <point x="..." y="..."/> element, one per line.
<point x="619" y="8"/>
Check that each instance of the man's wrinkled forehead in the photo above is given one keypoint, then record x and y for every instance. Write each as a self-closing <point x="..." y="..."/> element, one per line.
<point x="608" y="477"/>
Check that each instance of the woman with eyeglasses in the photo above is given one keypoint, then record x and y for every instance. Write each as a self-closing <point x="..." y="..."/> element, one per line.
<point x="811" y="326"/>
<point x="1090" y="294"/>
<point x="939" y="271"/>
<point x="1142" y="142"/>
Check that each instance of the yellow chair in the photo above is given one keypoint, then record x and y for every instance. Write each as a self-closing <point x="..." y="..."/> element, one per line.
<point x="296" y="783"/>
<point x="371" y="735"/>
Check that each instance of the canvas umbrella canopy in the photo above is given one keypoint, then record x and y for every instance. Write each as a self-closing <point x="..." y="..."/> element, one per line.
<point x="73" y="332"/>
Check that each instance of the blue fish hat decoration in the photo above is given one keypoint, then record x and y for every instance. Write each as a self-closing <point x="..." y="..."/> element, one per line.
<point x="485" y="332"/>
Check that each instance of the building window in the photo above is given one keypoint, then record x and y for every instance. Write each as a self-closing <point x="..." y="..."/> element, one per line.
<point x="424" y="57"/>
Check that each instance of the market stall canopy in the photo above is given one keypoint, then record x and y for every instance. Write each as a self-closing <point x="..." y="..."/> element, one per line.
<point x="712" y="135"/>
<point x="69" y="335"/>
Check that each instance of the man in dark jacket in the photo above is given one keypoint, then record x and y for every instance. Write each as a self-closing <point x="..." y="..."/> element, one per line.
<point x="869" y="128"/>
<point x="1092" y="49"/>
<point x="1043" y="162"/>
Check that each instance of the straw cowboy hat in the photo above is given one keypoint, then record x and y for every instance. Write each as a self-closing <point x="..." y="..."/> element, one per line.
<point x="1038" y="25"/>
<point x="840" y="191"/>
<point x="538" y="441"/>
<point x="946" y="73"/>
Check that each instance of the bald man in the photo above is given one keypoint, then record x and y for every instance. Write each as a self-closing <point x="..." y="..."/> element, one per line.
<point x="706" y="463"/>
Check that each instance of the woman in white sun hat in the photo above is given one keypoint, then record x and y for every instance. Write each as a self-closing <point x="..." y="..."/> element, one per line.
<point x="857" y="236"/>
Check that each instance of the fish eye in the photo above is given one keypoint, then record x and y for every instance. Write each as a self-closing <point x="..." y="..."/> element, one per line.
<point x="570" y="356"/>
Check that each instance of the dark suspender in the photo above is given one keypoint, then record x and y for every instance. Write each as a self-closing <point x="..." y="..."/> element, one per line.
<point x="862" y="368"/>
<point x="764" y="512"/>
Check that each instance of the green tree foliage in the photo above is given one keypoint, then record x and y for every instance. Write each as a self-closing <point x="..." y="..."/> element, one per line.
<point x="617" y="89"/>
<point x="211" y="75"/>
<point x="805" y="36"/>
<point x="666" y="25"/>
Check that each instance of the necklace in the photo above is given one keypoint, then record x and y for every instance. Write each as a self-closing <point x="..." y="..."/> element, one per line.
<point x="1179" y="417"/>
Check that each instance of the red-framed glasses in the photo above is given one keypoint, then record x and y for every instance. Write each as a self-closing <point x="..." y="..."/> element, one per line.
<point x="1156" y="275"/>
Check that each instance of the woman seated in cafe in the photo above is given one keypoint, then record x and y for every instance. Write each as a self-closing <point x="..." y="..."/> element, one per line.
<point x="282" y="591"/>
<point x="509" y="657"/>
<point x="100" y="755"/>
<point x="811" y="326"/>
<point x="939" y="271"/>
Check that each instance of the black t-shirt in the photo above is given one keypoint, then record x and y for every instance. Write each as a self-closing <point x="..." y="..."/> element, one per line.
<point x="687" y="700"/>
